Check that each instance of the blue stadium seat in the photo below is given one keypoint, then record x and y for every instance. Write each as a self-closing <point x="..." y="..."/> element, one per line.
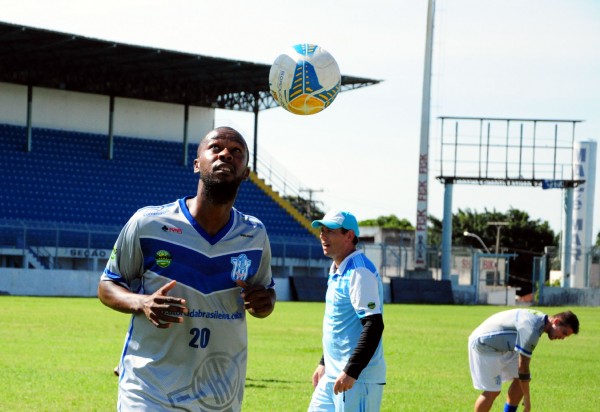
<point x="67" y="178"/>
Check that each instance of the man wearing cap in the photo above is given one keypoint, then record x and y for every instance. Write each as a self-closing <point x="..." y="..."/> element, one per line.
<point x="351" y="373"/>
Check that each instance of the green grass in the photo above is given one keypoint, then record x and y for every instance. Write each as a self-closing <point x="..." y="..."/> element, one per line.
<point x="57" y="354"/>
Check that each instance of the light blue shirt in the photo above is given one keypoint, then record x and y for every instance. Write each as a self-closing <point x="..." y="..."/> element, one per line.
<point x="354" y="290"/>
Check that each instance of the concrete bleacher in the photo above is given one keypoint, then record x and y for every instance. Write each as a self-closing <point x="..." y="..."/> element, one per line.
<point x="68" y="179"/>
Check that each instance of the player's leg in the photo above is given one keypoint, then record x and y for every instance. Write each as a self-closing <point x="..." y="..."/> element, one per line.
<point x="486" y="373"/>
<point x="485" y="401"/>
<point x="514" y="396"/>
<point x="362" y="397"/>
<point x="322" y="398"/>
<point x="511" y="372"/>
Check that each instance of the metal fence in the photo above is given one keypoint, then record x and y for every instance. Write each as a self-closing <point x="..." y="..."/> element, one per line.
<point x="53" y="245"/>
<point x="64" y="246"/>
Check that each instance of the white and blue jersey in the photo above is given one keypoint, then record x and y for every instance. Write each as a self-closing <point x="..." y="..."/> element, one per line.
<point x="199" y="364"/>
<point x="354" y="290"/>
<point x="510" y="330"/>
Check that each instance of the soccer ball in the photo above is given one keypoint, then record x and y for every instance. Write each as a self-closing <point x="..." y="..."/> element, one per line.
<point x="305" y="79"/>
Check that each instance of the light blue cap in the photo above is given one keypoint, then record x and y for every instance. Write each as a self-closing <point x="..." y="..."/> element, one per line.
<point x="335" y="219"/>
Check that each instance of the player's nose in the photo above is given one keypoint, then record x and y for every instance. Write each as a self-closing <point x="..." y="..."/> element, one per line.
<point x="225" y="154"/>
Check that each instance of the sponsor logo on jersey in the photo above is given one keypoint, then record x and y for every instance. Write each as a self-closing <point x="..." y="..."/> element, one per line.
<point x="245" y="235"/>
<point x="163" y="258"/>
<point x="215" y="314"/>
<point x="241" y="264"/>
<point x="371" y="305"/>
<point x="113" y="255"/>
<point x="165" y="228"/>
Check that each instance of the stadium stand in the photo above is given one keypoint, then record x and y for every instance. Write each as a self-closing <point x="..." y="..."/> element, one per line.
<point x="64" y="198"/>
<point x="67" y="181"/>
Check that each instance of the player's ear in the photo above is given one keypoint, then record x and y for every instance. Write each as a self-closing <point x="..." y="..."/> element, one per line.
<point x="247" y="172"/>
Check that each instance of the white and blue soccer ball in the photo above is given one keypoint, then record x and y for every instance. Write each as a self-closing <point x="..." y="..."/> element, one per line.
<point x="305" y="79"/>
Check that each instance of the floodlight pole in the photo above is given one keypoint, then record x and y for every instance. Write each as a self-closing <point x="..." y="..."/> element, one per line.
<point x="422" y="191"/>
<point x="255" y="152"/>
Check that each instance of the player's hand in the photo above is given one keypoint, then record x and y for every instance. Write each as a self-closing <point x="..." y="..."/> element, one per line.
<point x="163" y="310"/>
<point x="317" y="375"/>
<point x="258" y="300"/>
<point x="343" y="383"/>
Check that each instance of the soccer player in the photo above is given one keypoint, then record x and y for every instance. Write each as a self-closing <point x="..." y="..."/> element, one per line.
<point x="187" y="272"/>
<point x="351" y="373"/>
<point x="500" y="350"/>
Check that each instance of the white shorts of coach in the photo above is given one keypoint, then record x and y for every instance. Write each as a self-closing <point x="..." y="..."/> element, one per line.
<point x="363" y="397"/>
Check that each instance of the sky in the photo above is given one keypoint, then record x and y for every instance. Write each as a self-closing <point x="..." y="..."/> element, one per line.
<point x="494" y="58"/>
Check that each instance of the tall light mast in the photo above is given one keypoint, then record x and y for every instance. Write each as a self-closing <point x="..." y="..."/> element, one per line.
<point x="422" y="188"/>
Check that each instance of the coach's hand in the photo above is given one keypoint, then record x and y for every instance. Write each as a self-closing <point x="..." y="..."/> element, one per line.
<point x="343" y="383"/>
<point x="258" y="300"/>
<point x="163" y="310"/>
<point x="317" y="375"/>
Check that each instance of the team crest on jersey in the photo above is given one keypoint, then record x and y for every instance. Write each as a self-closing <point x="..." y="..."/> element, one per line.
<point x="241" y="264"/>
<point x="163" y="258"/>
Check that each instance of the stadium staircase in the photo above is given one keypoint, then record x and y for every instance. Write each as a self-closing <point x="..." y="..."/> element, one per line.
<point x="67" y="182"/>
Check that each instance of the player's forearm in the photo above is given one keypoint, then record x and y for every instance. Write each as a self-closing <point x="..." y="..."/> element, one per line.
<point x="524" y="376"/>
<point x="118" y="298"/>
<point x="367" y="345"/>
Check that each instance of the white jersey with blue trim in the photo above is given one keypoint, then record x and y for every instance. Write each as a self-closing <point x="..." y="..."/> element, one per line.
<point x="354" y="290"/>
<point x="200" y="364"/>
<point x="510" y="330"/>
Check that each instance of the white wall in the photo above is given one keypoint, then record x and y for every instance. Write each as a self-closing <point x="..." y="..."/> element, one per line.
<point x="44" y="282"/>
<point x="59" y="109"/>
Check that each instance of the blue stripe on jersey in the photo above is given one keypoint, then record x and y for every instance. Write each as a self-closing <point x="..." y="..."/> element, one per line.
<point x="360" y="261"/>
<point x="113" y="276"/>
<point x="526" y="352"/>
<point x="194" y="269"/>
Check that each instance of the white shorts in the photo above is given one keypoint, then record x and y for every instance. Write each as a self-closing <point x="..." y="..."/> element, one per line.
<point x="490" y="369"/>
<point x="362" y="397"/>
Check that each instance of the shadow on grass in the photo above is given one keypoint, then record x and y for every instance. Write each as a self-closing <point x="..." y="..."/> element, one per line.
<point x="269" y="383"/>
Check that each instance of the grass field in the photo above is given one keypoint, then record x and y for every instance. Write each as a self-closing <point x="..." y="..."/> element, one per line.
<point x="57" y="354"/>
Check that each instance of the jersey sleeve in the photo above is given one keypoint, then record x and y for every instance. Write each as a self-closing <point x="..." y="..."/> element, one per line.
<point x="264" y="275"/>
<point x="527" y="335"/>
<point x="364" y="293"/>
<point x="125" y="265"/>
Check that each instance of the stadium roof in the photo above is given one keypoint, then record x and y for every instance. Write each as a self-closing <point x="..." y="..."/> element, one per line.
<point x="44" y="58"/>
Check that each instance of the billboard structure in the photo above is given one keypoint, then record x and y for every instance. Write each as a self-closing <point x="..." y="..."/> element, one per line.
<point x="584" y="168"/>
<point x="508" y="152"/>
